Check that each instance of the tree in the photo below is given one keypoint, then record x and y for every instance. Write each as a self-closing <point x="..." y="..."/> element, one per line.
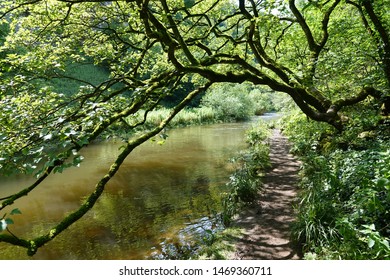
<point x="325" y="54"/>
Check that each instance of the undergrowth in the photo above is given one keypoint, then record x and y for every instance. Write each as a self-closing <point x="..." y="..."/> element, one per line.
<point x="344" y="209"/>
<point x="244" y="187"/>
<point x="245" y="182"/>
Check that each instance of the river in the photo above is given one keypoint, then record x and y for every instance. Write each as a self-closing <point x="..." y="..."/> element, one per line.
<point x="162" y="196"/>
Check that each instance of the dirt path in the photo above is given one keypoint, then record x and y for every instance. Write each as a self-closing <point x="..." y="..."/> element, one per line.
<point x="267" y="223"/>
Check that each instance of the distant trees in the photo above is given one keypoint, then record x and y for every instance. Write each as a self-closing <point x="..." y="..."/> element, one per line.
<point x="241" y="101"/>
<point x="230" y="101"/>
<point x="326" y="55"/>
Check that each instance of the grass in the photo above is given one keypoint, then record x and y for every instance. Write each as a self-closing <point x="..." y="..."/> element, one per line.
<point x="245" y="182"/>
<point x="344" y="208"/>
<point x="187" y="117"/>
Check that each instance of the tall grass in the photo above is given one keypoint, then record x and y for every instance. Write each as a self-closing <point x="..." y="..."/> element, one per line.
<point x="245" y="183"/>
<point x="244" y="187"/>
<point x="344" y="210"/>
<point x="187" y="117"/>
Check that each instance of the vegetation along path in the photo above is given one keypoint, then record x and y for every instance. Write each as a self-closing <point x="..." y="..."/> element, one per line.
<point x="267" y="222"/>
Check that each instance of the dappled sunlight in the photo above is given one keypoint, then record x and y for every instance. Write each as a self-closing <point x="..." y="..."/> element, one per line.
<point x="267" y="223"/>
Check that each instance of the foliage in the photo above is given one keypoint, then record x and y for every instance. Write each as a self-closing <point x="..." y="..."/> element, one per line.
<point x="229" y="101"/>
<point x="344" y="209"/>
<point x="241" y="101"/>
<point x="78" y="72"/>
<point x="268" y="101"/>
<point x="245" y="182"/>
<point x="149" y="53"/>
<point x="186" y="117"/>
<point x="4" y="222"/>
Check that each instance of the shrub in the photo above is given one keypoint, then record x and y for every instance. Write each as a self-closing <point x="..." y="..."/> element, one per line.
<point x="245" y="182"/>
<point x="344" y="209"/>
<point x="230" y="102"/>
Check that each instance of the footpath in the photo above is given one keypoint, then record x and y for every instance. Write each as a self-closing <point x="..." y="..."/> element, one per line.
<point x="267" y="222"/>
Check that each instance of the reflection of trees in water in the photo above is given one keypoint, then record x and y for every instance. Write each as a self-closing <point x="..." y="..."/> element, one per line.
<point x="150" y="202"/>
<point x="187" y="240"/>
<point x="122" y="225"/>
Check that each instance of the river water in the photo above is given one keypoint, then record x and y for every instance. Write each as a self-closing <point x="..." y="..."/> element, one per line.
<point x="162" y="196"/>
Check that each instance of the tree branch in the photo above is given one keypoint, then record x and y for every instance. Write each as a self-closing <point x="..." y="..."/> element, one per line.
<point x="243" y="10"/>
<point x="325" y="23"/>
<point x="177" y="34"/>
<point x="383" y="33"/>
<point x="313" y="46"/>
<point x="18" y="7"/>
<point x="73" y="217"/>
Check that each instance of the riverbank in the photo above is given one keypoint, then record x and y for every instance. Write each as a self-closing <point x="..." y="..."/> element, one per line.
<point x="266" y="223"/>
<point x="261" y="229"/>
<point x="135" y="124"/>
<point x="161" y="197"/>
<point x="139" y="123"/>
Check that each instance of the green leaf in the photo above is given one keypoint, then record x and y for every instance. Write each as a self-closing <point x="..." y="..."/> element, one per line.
<point x="371" y="243"/>
<point x="189" y="3"/>
<point x="371" y="227"/>
<point x="3" y="225"/>
<point x="385" y="243"/>
<point x="15" y="211"/>
<point x="382" y="182"/>
<point x="9" y="221"/>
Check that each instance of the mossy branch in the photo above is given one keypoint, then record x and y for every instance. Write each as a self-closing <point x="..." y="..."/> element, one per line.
<point x="33" y="245"/>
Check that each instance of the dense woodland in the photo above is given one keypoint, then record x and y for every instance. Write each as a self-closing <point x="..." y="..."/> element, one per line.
<point x="73" y="72"/>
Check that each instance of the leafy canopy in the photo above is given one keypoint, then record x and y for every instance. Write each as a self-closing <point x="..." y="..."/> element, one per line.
<point x="326" y="55"/>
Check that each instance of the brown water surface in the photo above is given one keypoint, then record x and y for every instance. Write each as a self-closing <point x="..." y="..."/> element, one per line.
<point x="161" y="196"/>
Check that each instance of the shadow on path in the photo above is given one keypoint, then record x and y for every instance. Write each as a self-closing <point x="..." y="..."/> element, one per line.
<point x="267" y="222"/>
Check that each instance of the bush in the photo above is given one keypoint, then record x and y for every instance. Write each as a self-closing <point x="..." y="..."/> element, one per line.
<point x="229" y="101"/>
<point x="245" y="182"/>
<point x="265" y="100"/>
<point x="344" y="209"/>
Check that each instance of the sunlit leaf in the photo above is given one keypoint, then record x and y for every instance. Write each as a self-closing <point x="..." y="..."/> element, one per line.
<point x="3" y="225"/>
<point x="48" y="137"/>
<point x="386" y="244"/>
<point x="371" y="243"/>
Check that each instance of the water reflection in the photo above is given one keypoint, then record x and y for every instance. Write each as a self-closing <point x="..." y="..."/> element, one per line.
<point x="160" y="194"/>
